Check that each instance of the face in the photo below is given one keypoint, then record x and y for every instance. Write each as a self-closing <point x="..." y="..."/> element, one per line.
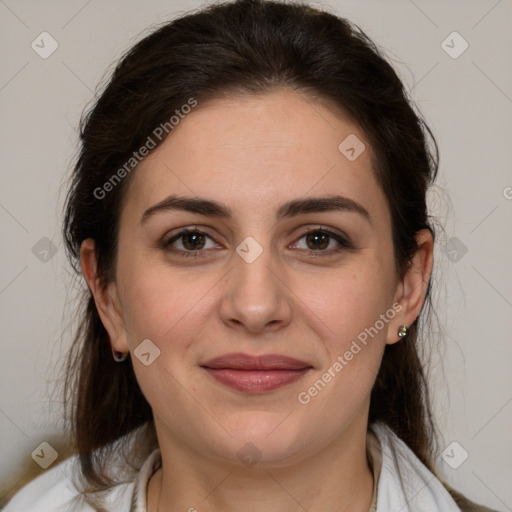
<point x="265" y="274"/>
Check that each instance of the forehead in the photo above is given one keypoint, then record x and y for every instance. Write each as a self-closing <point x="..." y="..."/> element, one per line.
<point x="252" y="152"/>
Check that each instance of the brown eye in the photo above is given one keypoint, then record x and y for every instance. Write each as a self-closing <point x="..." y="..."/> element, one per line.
<point x="189" y="241"/>
<point x="319" y="241"/>
<point x="193" y="241"/>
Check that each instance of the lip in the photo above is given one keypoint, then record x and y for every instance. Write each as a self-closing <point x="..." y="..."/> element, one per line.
<point x="256" y="374"/>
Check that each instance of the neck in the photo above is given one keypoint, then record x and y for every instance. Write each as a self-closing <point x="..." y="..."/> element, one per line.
<point x="337" y="478"/>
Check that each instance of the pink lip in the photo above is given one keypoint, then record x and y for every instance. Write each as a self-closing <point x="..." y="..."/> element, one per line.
<point x="255" y="374"/>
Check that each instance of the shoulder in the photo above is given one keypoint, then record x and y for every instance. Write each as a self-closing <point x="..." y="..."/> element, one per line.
<point x="464" y="504"/>
<point x="55" y="491"/>
<point x="405" y="481"/>
<point x="405" y="476"/>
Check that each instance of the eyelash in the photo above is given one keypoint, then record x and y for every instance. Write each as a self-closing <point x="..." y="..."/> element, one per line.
<point x="344" y="243"/>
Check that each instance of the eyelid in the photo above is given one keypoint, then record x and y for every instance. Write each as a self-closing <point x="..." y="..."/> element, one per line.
<point x="167" y="239"/>
<point x="341" y="238"/>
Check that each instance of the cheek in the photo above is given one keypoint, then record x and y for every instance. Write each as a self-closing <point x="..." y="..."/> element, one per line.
<point x="353" y="313"/>
<point x="159" y="303"/>
<point x="351" y="302"/>
<point x="169" y="312"/>
<point x="173" y="311"/>
<point x="353" y="349"/>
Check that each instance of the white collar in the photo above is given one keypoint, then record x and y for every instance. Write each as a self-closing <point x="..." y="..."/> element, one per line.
<point x="405" y="483"/>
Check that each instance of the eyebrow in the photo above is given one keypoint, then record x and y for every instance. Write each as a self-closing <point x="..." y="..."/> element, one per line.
<point x="210" y="208"/>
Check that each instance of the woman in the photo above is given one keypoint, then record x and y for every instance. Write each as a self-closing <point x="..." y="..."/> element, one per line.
<point x="248" y="211"/>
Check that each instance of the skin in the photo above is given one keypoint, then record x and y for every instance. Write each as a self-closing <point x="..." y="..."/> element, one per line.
<point x="252" y="154"/>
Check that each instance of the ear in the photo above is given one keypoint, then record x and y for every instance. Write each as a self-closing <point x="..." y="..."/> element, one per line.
<point x="411" y="290"/>
<point x="105" y="297"/>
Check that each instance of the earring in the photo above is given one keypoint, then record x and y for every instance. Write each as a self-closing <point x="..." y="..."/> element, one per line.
<point x="403" y="331"/>
<point x="119" y="357"/>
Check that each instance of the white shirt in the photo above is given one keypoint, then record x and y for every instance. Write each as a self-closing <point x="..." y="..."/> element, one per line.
<point x="404" y="484"/>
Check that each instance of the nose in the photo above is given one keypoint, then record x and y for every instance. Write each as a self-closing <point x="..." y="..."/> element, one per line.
<point x="256" y="298"/>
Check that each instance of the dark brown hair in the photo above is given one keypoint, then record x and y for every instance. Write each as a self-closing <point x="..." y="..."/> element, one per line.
<point x="247" y="46"/>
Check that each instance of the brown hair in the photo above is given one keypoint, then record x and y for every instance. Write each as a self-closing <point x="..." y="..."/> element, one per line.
<point x="248" y="46"/>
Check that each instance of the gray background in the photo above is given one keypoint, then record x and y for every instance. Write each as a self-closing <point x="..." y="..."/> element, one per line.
<point x="466" y="100"/>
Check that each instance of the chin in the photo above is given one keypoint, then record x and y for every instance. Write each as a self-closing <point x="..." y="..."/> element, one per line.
<point x="268" y="439"/>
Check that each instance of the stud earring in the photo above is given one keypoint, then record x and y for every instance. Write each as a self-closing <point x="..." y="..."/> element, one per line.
<point x="119" y="357"/>
<point x="403" y="330"/>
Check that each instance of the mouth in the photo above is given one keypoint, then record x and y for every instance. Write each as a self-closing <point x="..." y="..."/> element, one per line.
<point x="255" y="374"/>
